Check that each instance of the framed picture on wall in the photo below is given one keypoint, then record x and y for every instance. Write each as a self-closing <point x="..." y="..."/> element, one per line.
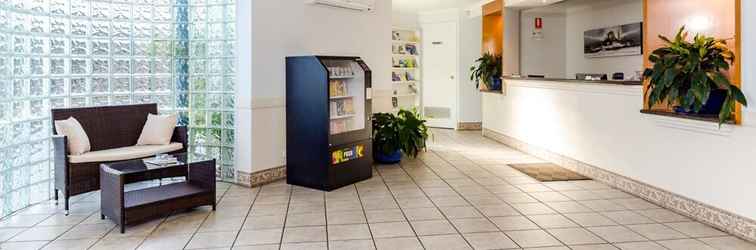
<point x="620" y="40"/>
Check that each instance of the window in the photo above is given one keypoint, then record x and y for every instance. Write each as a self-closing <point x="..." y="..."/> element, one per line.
<point x="74" y="53"/>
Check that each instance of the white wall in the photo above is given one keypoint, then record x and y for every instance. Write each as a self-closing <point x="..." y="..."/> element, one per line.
<point x="600" y="15"/>
<point x="470" y="43"/>
<point x="288" y="28"/>
<point x="560" y="53"/>
<point x="545" y="56"/>
<point x="601" y="125"/>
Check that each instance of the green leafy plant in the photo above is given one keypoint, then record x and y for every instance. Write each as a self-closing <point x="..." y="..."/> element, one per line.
<point x="405" y="131"/>
<point x="686" y="72"/>
<point x="487" y="68"/>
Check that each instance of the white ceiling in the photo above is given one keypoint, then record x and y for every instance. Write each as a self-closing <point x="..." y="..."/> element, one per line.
<point x="429" y="5"/>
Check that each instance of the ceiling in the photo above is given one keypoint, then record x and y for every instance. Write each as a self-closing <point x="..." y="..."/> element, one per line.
<point x="429" y="5"/>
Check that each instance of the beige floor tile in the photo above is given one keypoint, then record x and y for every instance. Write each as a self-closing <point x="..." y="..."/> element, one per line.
<point x="74" y="244"/>
<point x="415" y="202"/>
<point x="568" y="207"/>
<point x="82" y="231"/>
<point x="444" y="242"/>
<point x="575" y="236"/>
<point x="23" y="220"/>
<point x="460" y="212"/>
<point x="165" y="242"/>
<point x="349" y="232"/>
<point x="7" y="233"/>
<point x="221" y="224"/>
<point x="41" y="233"/>
<point x="386" y="215"/>
<point x="346" y="217"/>
<point x="258" y="247"/>
<point x="580" y="195"/>
<point x="305" y="219"/>
<point x="63" y="220"/>
<point x="23" y="245"/>
<point x="635" y="203"/>
<point x="498" y="210"/>
<point x="490" y="240"/>
<point x="663" y="215"/>
<point x="120" y="243"/>
<point x="616" y="234"/>
<point x="259" y="237"/>
<point x="590" y="219"/>
<point x="516" y="198"/>
<point x="656" y="231"/>
<point x="379" y="203"/>
<point x="533" y="238"/>
<point x="450" y="201"/>
<point x="510" y="223"/>
<point x="264" y="222"/>
<point x="627" y="217"/>
<point x="427" y="213"/>
<point x="594" y="247"/>
<point x="433" y="227"/>
<point x="212" y="240"/>
<point x="602" y="205"/>
<point x="695" y="229"/>
<point x="391" y="229"/>
<point x="305" y="246"/>
<point x="549" y="196"/>
<point x="474" y="225"/>
<point x="646" y="245"/>
<point x="729" y="242"/>
<point x="304" y="234"/>
<point x="533" y="208"/>
<point x="552" y="221"/>
<point x="400" y="243"/>
<point x="351" y="245"/>
<point x="685" y="244"/>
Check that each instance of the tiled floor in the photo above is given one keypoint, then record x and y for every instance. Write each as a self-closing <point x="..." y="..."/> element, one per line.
<point x="459" y="195"/>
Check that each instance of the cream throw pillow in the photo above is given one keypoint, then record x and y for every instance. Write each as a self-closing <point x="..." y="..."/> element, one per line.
<point x="158" y="130"/>
<point x="78" y="141"/>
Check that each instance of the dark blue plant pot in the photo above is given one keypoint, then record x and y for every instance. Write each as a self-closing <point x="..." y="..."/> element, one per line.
<point x="711" y="107"/>
<point x="392" y="158"/>
<point x="496" y="83"/>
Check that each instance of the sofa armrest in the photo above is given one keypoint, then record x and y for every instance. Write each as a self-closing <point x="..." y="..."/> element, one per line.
<point x="111" y="183"/>
<point x="60" y="160"/>
<point x="181" y="135"/>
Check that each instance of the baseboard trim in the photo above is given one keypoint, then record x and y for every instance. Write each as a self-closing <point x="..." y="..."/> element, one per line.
<point x="471" y="126"/>
<point x="260" y="177"/>
<point x="729" y="222"/>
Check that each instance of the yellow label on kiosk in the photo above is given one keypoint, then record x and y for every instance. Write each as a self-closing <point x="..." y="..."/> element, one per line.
<point x="347" y="154"/>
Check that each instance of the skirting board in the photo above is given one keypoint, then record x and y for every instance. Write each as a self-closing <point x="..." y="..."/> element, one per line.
<point x="260" y="177"/>
<point x="726" y="221"/>
<point x="472" y="126"/>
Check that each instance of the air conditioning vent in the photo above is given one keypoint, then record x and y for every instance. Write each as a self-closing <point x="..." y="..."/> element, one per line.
<point x="359" y="5"/>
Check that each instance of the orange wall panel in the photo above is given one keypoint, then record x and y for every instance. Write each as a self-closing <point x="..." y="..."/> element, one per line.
<point x="493" y="28"/>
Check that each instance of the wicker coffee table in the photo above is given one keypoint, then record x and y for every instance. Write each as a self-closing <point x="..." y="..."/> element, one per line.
<point x="135" y="206"/>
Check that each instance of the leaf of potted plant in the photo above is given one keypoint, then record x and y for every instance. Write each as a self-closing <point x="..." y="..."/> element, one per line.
<point x="487" y="71"/>
<point x="692" y="76"/>
<point x="393" y="135"/>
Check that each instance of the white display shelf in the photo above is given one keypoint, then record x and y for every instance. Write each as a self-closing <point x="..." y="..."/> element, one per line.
<point x="402" y="40"/>
<point x="342" y="77"/>
<point x="341" y="97"/>
<point x="339" y="117"/>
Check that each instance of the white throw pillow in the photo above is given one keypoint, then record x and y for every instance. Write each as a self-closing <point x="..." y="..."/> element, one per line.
<point x="78" y="141"/>
<point x="158" y="130"/>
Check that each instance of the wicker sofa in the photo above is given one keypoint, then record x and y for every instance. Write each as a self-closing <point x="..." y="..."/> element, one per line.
<point x="113" y="132"/>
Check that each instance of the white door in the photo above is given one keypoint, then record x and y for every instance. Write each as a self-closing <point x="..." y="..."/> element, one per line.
<point x="440" y="85"/>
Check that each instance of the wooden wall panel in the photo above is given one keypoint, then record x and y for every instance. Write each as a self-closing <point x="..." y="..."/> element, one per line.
<point x="493" y="27"/>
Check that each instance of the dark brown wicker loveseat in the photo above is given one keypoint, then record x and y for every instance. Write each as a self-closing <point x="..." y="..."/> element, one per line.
<point x="108" y="128"/>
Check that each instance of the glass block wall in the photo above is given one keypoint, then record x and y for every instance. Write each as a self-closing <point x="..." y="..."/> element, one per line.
<point x="74" y="53"/>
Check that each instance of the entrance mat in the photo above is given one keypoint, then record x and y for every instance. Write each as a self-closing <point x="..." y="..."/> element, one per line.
<point x="548" y="172"/>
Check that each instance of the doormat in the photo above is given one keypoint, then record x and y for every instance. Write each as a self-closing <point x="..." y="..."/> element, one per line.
<point x="548" y="172"/>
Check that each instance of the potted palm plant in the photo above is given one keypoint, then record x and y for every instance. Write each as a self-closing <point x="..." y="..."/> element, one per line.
<point x="393" y="135"/>
<point x="692" y="76"/>
<point x="487" y="70"/>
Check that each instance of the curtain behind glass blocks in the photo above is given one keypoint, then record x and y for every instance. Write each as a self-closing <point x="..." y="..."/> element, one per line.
<point x="76" y="53"/>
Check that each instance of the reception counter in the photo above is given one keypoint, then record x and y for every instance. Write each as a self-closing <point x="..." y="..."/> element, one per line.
<point x="597" y="128"/>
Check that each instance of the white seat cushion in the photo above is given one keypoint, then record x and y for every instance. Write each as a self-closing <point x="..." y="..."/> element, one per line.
<point x="124" y="153"/>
